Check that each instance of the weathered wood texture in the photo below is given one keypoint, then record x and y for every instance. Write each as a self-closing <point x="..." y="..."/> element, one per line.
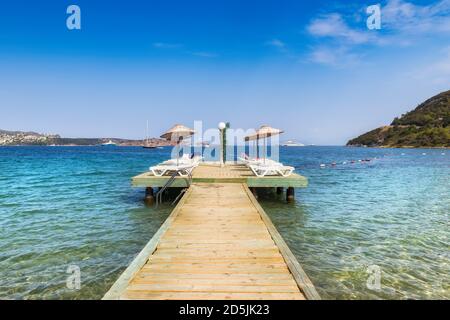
<point x="209" y="173"/>
<point x="216" y="244"/>
<point x="120" y="285"/>
<point x="294" y="266"/>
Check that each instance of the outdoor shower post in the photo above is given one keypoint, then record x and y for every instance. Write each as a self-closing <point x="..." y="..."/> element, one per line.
<point x="222" y="127"/>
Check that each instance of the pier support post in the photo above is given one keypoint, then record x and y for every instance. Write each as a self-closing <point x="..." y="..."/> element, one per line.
<point x="279" y="190"/>
<point x="290" y="194"/>
<point x="149" y="196"/>
<point x="255" y="194"/>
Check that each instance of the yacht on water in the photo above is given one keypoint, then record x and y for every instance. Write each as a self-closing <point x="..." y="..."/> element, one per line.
<point x="147" y="145"/>
<point x="109" y="143"/>
<point x="292" y="143"/>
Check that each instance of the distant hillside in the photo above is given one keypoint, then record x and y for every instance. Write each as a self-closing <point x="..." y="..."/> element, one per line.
<point x="14" y="138"/>
<point x="26" y="138"/>
<point x="425" y="126"/>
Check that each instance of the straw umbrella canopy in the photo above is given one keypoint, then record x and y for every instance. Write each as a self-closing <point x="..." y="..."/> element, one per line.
<point x="177" y="133"/>
<point x="264" y="132"/>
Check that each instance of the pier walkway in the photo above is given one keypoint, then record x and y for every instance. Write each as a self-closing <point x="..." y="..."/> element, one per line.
<point x="231" y="173"/>
<point x="218" y="243"/>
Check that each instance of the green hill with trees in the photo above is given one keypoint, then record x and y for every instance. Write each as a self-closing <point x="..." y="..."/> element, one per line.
<point x="425" y="126"/>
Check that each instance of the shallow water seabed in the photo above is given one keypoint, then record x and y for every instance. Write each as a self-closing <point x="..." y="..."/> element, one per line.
<point x="74" y="206"/>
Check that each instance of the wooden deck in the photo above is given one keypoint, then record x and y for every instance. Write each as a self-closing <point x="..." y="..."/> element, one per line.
<point x="218" y="243"/>
<point x="231" y="173"/>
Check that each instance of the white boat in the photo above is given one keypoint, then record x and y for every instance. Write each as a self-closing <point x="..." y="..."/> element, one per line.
<point x="292" y="143"/>
<point x="109" y="143"/>
<point x="147" y="145"/>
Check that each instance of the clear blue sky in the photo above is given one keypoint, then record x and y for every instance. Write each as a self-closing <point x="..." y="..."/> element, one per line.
<point x="312" y="68"/>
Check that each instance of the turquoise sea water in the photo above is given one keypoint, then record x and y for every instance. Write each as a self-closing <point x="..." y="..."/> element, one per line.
<point x="63" y="206"/>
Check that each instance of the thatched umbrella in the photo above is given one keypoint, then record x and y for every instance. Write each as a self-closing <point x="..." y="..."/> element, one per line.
<point x="262" y="133"/>
<point x="177" y="133"/>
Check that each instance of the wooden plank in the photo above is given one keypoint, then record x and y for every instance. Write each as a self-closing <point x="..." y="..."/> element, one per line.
<point x="208" y="260"/>
<point x="213" y="276"/>
<point x="300" y="276"/>
<point x="213" y="247"/>
<point x="294" y="181"/>
<point x="251" y="245"/>
<point x="148" y="180"/>
<point x="120" y="285"/>
<point x="136" y="295"/>
<point x="203" y="267"/>
<point x="255" y="288"/>
<point x="212" y="250"/>
<point x="245" y="281"/>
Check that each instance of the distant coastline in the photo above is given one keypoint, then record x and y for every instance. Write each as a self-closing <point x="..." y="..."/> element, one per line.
<point x="396" y="147"/>
<point x="22" y="138"/>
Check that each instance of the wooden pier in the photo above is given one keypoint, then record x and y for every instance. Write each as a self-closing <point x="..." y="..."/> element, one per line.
<point x="218" y="243"/>
<point x="231" y="173"/>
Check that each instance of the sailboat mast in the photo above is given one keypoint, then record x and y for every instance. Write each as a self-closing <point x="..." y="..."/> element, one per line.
<point x="147" y="134"/>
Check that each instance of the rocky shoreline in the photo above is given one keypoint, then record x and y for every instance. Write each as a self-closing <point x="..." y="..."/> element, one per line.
<point x="20" y="138"/>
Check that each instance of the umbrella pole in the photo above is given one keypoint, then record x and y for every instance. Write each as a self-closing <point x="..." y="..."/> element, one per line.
<point x="178" y="150"/>
<point x="257" y="147"/>
<point x="221" y="147"/>
<point x="265" y="149"/>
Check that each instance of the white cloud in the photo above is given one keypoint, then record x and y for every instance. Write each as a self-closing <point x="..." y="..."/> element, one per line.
<point x="163" y="45"/>
<point x="276" y="43"/>
<point x="398" y="17"/>
<point x="338" y="52"/>
<point x="323" y="56"/>
<point x="437" y="72"/>
<point x="334" y="26"/>
<point x="335" y="57"/>
<point x="281" y="47"/>
<point x="406" y="17"/>
<point x="402" y="24"/>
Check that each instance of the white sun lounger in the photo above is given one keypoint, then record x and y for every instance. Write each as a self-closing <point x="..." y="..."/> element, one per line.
<point x="271" y="170"/>
<point x="262" y="162"/>
<point x="248" y="161"/>
<point x="183" y="161"/>
<point x="183" y="169"/>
